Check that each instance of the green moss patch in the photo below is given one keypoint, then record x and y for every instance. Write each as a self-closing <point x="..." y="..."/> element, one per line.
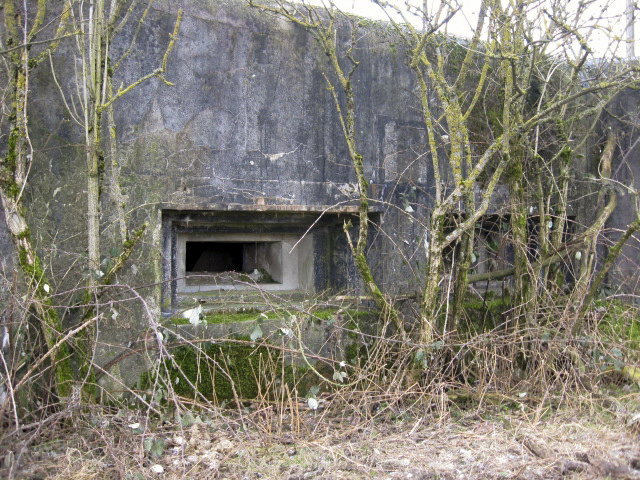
<point x="225" y="317"/>
<point x="215" y="370"/>
<point x="482" y="316"/>
<point x="355" y="317"/>
<point x="619" y="322"/>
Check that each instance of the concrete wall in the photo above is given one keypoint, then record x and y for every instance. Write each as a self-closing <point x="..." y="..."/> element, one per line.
<point x="248" y="140"/>
<point x="623" y="115"/>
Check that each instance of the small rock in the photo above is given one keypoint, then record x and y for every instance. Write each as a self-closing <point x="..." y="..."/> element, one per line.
<point x="157" y="468"/>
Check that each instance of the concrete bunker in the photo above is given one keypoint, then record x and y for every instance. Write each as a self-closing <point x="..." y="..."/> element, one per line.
<point x="202" y="255"/>
<point x="212" y="261"/>
<point x="211" y="254"/>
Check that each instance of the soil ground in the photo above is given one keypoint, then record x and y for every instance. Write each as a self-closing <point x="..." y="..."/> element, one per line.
<point x="595" y="438"/>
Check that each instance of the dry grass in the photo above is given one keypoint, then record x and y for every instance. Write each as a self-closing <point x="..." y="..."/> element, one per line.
<point x="506" y="440"/>
<point x="507" y="403"/>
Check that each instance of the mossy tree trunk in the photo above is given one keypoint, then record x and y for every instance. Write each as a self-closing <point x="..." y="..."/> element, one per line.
<point x="20" y="30"/>
<point x="98" y="24"/>
<point x="454" y="215"/>
<point x="516" y="71"/>
<point x="322" y="26"/>
<point x="605" y="205"/>
<point x="522" y="282"/>
<point x="557" y="213"/>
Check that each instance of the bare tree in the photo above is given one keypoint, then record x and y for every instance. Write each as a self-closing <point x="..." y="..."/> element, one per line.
<point x="531" y="72"/>
<point x="98" y="25"/>
<point x="322" y="25"/>
<point x="22" y="33"/>
<point x="94" y="27"/>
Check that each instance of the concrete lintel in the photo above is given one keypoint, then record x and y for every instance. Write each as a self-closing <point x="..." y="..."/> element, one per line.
<point x="238" y="207"/>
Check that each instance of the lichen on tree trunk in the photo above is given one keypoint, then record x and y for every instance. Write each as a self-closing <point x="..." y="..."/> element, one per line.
<point x="14" y="168"/>
<point x="323" y="31"/>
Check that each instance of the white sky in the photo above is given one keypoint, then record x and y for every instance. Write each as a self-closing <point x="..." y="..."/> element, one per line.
<point x="606" y="19"/>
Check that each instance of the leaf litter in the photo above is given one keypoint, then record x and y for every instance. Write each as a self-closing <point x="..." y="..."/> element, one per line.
<point x="486" y="443"/>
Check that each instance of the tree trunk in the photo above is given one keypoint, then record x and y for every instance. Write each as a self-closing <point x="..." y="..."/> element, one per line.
<point x="13" y="178"/>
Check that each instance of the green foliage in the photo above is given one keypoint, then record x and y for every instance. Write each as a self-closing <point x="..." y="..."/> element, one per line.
<point x="482" y="316"/>
<point x="618" y="322"/>
<point x="219" y="368"/>
<point x="154" y="446"/>
<point x="206" y="370"/>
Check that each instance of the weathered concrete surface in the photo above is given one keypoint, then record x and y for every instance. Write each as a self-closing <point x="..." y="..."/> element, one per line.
<point x="623" y="115"/>
<point x="249" y="123"/>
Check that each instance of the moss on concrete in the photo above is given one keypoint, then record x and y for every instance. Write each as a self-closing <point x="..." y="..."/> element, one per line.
<point x="481" y="316"/>
<point x="221" y="317"/>
<point x="356" y="354"/>
<point x="619" y="323"/>
<point x="214" y="369"/>
<point x="355" y="318"/>
<point x="217" y="369"/>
